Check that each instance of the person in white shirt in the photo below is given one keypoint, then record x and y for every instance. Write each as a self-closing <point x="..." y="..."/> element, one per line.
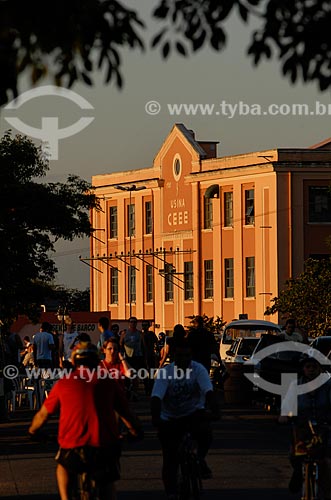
<point x="289" y="332"/>
<point x="66" y="343"/>
<point x="181" y="392"/>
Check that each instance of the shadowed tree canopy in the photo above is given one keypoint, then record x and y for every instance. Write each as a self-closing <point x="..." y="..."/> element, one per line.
<point x="33" y="215"/>
<point x="209" y="323"/>
<point x="72" y="299"/>
<point x="69" y="40"/>
<point x="307" y="298"/>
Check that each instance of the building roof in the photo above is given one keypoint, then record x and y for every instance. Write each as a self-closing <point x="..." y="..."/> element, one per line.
<point x="314" y="156"/>
<point x="326" y="144"/>
<point x="190" y="136"/>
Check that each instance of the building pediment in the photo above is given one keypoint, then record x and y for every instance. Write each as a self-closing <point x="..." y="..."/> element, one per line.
<point x="187" y="137"/>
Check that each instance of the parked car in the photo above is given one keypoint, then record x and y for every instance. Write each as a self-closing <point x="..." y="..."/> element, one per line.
<point x="241" y="349"/>
<point x="322" y="344"/>
<point x="273" y="366"/>
<point x="237" y="388"/>
<point x="245" y="328"/>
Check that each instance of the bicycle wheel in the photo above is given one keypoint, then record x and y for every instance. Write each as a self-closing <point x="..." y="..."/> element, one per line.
<point x="310" y="481"/>
<point x="84" y="485"/>
<point x="195" y="478"/>
<point x="84" y="488"/>
<point x="190" y="484"/>
<point x="184" y="484"/>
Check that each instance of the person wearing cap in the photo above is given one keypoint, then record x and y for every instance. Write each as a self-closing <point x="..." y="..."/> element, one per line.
<point x="312" y="406"/>
<point x="88" y="429"/>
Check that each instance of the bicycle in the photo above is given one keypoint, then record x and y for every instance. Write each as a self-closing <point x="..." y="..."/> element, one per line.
<point x="88" y="475"/>
<point x="189" y="479"/>
<point x="91" y="484"/>
<point x="84" y="484"/>
<point x="84" y="487"/>
<point x="310" y="481"/>
<point x="311" y="447"/>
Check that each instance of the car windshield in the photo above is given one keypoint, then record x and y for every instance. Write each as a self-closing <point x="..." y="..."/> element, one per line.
<point x="247" y="347"/>
<point x="247" y="331"/>
<point x="267" y="340"/>
<point x="322" y="344"/>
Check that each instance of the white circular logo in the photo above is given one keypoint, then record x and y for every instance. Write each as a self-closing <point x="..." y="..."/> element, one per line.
<point x="49" y="133"/>
<point x="177" y="167"/>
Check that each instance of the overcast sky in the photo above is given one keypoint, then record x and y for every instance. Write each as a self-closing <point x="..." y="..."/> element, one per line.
<point x="123" y="136"/>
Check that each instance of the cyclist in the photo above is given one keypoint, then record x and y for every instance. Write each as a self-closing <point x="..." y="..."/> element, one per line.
<point x="177" y="406"/>
<point x="314" y="406"/>
<point x="88" y="431"/>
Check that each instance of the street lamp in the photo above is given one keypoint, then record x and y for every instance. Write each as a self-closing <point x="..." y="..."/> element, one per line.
<point x="129" y="189"/>
<point x="63" y="316"/>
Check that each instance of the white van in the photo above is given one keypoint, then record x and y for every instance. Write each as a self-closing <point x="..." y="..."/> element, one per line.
<point x="245" y="328"/>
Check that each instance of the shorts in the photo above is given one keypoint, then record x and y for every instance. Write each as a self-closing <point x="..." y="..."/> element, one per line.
<point x="102" y="463"/>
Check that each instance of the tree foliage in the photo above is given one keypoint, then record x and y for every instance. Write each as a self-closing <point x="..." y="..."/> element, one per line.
<point x="72" y="299"/>
<point x="212" y="325"/>
<point x="64" y="39"/>
<point x="307" y="298"/>
<point x="33" y="215"/>
<point x="69" y="40"/>
<point x="296" y="32"/>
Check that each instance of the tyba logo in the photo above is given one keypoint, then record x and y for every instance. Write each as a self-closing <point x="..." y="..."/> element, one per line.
<point x="288" y="389"/>
<point x="49" y="132"/>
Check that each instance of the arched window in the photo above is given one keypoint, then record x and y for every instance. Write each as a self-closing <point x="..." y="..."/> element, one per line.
<point x="211" y="192"/>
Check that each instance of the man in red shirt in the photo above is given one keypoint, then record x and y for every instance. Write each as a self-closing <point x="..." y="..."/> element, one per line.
<point x="88" y="427"/>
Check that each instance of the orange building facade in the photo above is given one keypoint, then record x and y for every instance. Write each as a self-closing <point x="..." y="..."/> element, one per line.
<point x="197" y="234"/>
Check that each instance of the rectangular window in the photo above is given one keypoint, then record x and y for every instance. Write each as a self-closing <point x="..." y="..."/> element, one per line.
<point x="229" y="278"/>
<point x="132" y="285"/>
<point x="319" y="203"/>
<point x="188" y="280"/>
<point x="249" y="207"/>
<point x="114" y="286"/>
<point x="148" y="218"/>
<point x="113" y="222"/>
<point x="250" y="276"/>
<point x="209" y="279"/>
<point x="168" y="285"/>
<point x="208" y="213"/>
<point x="131" y="220"/>
<point x="149" y="283"/>
<point x="228" y="209"/>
